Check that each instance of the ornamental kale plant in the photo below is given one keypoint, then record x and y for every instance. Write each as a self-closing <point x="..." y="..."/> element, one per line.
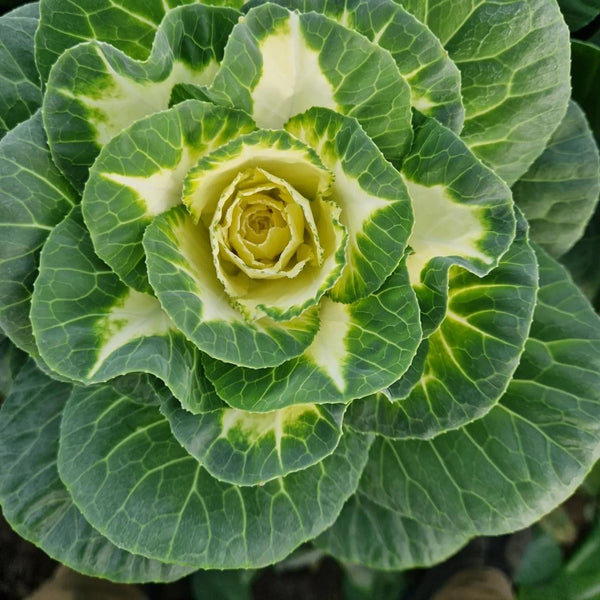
<point x="285" y="272"/>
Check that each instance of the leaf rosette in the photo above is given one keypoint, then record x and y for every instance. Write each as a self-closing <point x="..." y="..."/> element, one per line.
<point x="262" y="257"/>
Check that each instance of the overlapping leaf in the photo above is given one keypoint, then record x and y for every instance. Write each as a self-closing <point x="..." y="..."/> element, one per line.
<point x="34" y="499"/>
<point x="469" y="360"/>
<point x="181" y="270"/>
<point x="279" y="63"/>
<point x="514" y="66"/>
<point x="138" y="486"/>
<point x="420" y="500"/>
<point x="34" y="197"/>
<point x="246" y="448"/>
<point x="21" y="94"/>
<point x="433" y="78"/>
<point x="91" y="327"/>
<point x="374" y="202"/>
<point x="359" y="348"/>
<point x="129" y="26"/>
<point x="95" y="91"/>
<point x="228" y="410"/>
<point x="462" y="215"/>
<point x="11" y="361"/>
<point x="140" y="174"/>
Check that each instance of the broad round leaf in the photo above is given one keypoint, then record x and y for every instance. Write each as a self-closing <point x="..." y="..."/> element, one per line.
<point x="137" y="485"/>
<point x="561" y="189"/>
<point x="35" y="501"/>
<point x="433" y="78"/>
<point x="514" y="64"/>
<point x="420" y="500"/>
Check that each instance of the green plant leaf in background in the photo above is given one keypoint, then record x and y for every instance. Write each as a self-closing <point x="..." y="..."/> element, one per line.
<point x="578" y="13"/>
<point x="222" y="585"/>
<point x="362" y="583"/>
<point x="542" y="559"/>
<point x="578" y="579"/>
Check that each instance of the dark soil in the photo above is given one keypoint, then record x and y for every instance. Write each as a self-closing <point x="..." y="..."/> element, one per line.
<point x="23" y="567"/>
<point x="321" y="583"/>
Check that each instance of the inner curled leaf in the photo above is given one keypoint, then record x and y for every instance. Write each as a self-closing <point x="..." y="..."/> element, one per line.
<point x="264" y="228"/>
<point x="275" y="235"/>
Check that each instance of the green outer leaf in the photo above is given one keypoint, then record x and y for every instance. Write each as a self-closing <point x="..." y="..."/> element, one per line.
<point x="259" y="75"/>
<point x="433" y="78"/>
<point x="470" y="358"/>
<point x="11" y="361"/>
<point x="34" y="197"/>
<point x="514" y="61"/>
<point x="91" y="327"/>
<point x="244" y="448"/>
<point x="463" y="214"/>
<point x="139" y="174"/>
<point x="21" y="95"/>
<point x="183" y="276"/>
<point x="560" y="191"/>
<point x="95" y="91"/>
<point x="129" y="26"/>
<point x="136" y="484"/>
<point x="375" y="205"/>
<point x="586" y="81"/>
<point x="578" y="13"/>
<point x="35" y="501"/>
<point x="360" y="348"/>
<point x="420" y="500"/>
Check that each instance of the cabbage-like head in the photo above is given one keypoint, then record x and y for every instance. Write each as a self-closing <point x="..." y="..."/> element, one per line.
<point x="268" y="267"/>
